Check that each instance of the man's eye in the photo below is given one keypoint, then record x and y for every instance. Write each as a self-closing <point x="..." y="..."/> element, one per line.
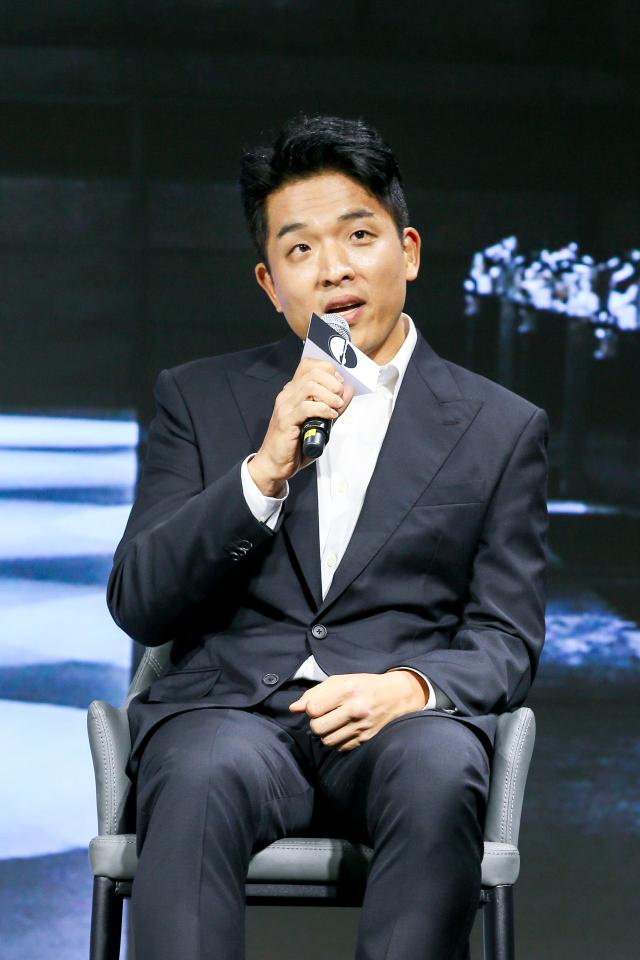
<point x="360" y="234"/>
<point x="300" y="248"/>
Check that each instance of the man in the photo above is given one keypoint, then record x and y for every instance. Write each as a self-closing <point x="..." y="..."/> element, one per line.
<point x="344" y="633"/>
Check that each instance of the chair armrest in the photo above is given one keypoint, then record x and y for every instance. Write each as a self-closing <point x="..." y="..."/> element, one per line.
<point x="514" y="741"/>
<point x="110" y="743"/>
<point x="153" y="662"/>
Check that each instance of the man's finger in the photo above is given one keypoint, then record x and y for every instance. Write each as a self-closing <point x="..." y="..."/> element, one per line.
<point x="298" y="706"/>
<point x="317" y="701"/>
<point x="327" y="695"/>
<point x="339" y="738"/>
<point x="310" y="363"/>
<point x="330" y="722"/>
<point x="322" y="699"/>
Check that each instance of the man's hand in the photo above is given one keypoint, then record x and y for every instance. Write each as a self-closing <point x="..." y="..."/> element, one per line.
<point x="349" y="709"/>
<point x="316" y="390"/>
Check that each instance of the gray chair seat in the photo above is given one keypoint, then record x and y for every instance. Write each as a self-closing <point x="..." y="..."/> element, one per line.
<point x="298" y="860"/>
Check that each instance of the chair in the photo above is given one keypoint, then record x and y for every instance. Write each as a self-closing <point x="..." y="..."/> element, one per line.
<point x="302" y="871"/>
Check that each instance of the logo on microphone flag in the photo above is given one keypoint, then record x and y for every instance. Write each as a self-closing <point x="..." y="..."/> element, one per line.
<point x="323" y="343"/>
<point x="343" y="352"/>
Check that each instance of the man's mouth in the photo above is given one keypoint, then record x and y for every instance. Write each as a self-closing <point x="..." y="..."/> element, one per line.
<point x="349" y="309"/>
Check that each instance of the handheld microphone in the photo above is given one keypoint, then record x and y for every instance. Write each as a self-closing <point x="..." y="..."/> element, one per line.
<point x="314" y="434"/>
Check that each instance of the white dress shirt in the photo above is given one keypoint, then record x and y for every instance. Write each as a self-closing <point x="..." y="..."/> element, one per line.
<point x="344" y="471"/>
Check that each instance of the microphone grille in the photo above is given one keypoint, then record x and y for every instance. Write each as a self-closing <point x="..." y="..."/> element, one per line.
<point x="337" y="323"/>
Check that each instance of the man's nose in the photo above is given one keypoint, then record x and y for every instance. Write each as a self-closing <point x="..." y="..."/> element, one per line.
<point x="334" y="267"/>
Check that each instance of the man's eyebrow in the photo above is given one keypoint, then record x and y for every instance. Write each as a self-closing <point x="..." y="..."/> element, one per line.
<point x="349" y="215"/>
<point x="288" y="227"/>
<point x="357" y="214"/>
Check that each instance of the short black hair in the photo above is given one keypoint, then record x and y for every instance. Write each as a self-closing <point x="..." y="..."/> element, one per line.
<point x="317" y="144"/>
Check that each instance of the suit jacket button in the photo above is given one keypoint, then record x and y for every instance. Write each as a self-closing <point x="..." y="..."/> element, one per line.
<point x="270" y="679"/>
<point x="319" y="631"/>
<point x="239" y="548"/>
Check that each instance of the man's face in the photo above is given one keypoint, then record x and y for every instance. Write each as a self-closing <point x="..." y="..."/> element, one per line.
<point x="333" y="248"/>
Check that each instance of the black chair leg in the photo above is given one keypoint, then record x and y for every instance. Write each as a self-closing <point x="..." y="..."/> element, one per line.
<point x="106" y="920"/>
<point x="497" y="924"/>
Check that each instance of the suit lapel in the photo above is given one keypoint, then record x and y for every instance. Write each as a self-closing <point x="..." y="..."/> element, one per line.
<point x="300" y="527"/>
<point x="429" y="419"/>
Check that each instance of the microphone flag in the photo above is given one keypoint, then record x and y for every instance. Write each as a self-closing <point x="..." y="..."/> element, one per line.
<point x="354" y="366"/>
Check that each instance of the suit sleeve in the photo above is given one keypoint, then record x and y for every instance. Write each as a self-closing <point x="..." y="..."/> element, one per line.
<point x="494" y="652"/>
<point x="183" y="540"/>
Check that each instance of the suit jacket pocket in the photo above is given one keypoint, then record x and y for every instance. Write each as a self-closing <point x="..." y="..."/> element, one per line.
<point x="463" y="491"/>
<point x="178" y="686"/>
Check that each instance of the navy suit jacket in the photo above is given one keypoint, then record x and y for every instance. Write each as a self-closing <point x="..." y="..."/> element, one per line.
<point x="444" y="572"/>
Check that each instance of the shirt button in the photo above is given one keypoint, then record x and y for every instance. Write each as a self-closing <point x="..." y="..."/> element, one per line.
<point x="270" y="679"/>
<point x="319" y="631"/>
<point x="331" y="560"/>
<point x="341" y="486"/>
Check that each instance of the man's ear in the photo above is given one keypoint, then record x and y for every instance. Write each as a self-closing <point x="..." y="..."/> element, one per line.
<point x="411" y="243"/>
<point x="265" y="281"/>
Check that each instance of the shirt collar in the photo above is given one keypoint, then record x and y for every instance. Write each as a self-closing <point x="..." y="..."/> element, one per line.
<point x="392" y="373"/>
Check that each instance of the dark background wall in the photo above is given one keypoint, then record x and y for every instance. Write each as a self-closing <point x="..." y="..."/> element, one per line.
<point x="122" y="247"/>
<point x="122" y="250"/>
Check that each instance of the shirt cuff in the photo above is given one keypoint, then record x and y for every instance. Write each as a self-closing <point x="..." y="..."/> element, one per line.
<point x="431" y="702"/>
<point x="265" y="509"/>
